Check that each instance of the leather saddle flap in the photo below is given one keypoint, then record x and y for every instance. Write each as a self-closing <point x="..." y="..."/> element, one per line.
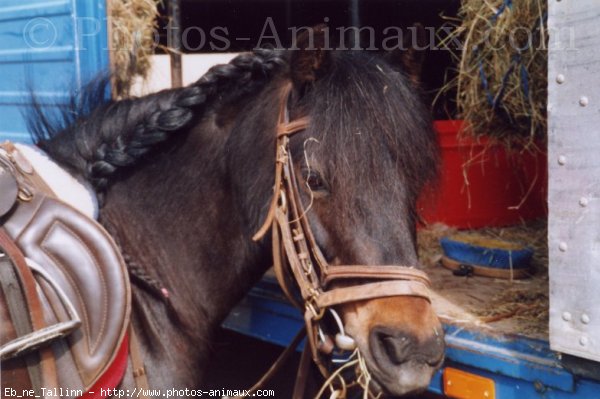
<point x="84" y="261"/>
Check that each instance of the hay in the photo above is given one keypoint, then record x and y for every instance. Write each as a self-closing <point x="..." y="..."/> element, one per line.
<point x="428" y="243"/>
<point x="517" y="306"/>
<point x="502" y="68"/>
<point x="133" y="26"/>
<point x="526" y="306"/>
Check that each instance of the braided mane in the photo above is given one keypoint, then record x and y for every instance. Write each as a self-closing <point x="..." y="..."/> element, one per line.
<point x="97" y="143"/>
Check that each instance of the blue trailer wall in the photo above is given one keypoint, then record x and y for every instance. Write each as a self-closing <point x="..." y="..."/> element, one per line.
<point x="51" y="48"/>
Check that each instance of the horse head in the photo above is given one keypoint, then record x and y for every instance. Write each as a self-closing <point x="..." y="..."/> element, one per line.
<point x="360" y="164"/>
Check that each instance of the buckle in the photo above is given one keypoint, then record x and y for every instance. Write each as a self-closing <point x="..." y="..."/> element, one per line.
<point x="311" y="305"/>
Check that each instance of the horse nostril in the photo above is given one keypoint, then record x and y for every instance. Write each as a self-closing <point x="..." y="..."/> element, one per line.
<point x="395" y="348"/>
<point x="434" y="352"/>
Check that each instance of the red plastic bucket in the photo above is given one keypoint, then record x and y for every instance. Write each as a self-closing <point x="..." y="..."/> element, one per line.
<point x="484" y="184"/>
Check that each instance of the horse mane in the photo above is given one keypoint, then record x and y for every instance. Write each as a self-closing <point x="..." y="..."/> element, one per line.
<point x="96" y="138"/>
<point x="362" y="103"/>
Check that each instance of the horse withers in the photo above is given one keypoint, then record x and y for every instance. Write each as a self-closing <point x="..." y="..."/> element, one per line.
<point x="186" y="180"/>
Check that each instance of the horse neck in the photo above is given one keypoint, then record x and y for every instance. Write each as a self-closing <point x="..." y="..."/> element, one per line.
<point x="177" y="218"/>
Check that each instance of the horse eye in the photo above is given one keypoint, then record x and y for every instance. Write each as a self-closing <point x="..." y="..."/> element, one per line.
<point x="314" y="180"/>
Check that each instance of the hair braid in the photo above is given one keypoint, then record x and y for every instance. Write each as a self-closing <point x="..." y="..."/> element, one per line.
<point x="142" y="278"/>
<point x="117" y="134"/>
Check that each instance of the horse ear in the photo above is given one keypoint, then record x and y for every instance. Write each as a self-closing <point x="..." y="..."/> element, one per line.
<point x="311" y="56"/>
<point x="411" y="56"/>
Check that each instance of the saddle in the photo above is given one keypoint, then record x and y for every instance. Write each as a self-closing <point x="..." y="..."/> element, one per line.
<point x="66" y="298"/>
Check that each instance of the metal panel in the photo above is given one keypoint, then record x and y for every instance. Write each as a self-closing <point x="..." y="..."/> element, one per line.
<point x="574" y="176"/>
<point x="49" y="47"/>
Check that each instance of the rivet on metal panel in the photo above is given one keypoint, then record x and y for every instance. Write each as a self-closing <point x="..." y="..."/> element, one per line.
<point x="584" y="101"/>
<point x="585" y="319"/>
<point x="583" y="201"/>
<point x="583" y="341"/>
<point x="566" y="316"/>
<point x="560" y="78"/>
<point x="562" y="159"/>
<point x="563" y="246"/>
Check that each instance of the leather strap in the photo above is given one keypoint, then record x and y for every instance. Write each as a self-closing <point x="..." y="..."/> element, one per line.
<point x="15" y="301"/>
<point x="380" y="289"/>
<point x="277" y="366"/>
<point x="44" y="370"/>
<point x="302" y="375"/>
<point x="285" y="129"/>
<point x="40" y="338"/>
<point x="137" y="364"/>
<point x="283" y="278"/>
<point x="383" y="272"/>
<point x="279" y="162"/>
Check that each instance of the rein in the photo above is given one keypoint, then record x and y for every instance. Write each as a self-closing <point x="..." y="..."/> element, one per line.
<point x="298" y="260"/>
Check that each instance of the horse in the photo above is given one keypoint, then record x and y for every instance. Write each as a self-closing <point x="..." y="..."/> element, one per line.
<point x="185" y="178"/>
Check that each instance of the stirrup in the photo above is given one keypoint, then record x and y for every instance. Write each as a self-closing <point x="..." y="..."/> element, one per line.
<point x="36" y="339"/>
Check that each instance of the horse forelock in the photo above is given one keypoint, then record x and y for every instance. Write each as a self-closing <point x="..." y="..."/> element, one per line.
<point x="370" y="124"/>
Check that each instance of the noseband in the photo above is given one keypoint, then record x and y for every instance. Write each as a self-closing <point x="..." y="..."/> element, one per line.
<point x="297" y="257"/>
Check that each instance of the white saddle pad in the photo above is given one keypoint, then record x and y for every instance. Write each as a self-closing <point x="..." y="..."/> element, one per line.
<point x="70" y="190"/>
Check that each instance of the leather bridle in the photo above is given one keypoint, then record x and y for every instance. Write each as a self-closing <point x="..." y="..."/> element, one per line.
<point x="298" y="258"/>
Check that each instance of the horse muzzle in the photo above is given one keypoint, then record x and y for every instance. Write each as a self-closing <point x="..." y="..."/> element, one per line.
<point x="401" y="340"/>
